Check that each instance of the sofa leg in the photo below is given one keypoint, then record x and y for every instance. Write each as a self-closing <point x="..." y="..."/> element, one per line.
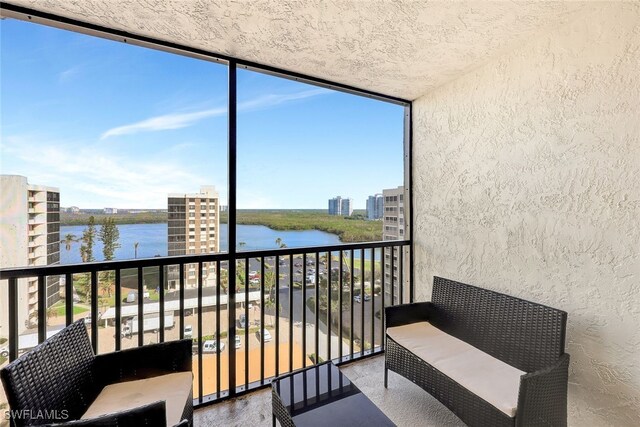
<point x="386" y="377"/>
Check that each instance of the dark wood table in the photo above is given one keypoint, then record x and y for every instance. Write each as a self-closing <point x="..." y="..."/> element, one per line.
<point x="323" y="396"/>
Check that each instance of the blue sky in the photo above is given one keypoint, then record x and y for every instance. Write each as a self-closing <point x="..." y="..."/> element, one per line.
<point x="115" y="125"/>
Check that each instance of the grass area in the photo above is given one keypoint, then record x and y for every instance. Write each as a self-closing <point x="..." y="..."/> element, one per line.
<point x="125" y="218"/>
<point x="2" y="359"/>
<point x="348" y="229"/>
<point x="60" y="309"/>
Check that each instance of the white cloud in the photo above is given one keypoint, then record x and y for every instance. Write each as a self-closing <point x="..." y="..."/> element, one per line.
<point x="69" y="73"/>
<point x="91" y="178"/>
<point x="165" y="122"/>
<point x="181" y="120"/>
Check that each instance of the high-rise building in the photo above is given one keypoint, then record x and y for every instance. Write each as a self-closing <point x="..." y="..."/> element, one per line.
<point x="334" y="205"/>
<point x="193" y="228"/>
<point x="30" y="221"/>
<point x="393" y="229"/>
<point x="347" y="207"/>
<point x="375" y="206"/>
<point x="340" y="206"/>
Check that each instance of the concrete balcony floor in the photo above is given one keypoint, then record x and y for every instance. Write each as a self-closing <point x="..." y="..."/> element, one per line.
<point x="403" y="402"/>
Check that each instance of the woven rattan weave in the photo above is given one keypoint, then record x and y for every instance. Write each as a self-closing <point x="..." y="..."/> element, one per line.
<point x="523" y="334"/>
<point x="63" y="374"/>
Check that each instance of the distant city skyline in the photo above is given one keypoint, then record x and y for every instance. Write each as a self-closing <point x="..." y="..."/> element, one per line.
<point x="116" y="125"/>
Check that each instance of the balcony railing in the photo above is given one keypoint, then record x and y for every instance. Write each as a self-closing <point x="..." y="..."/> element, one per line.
<point x="315" y="304"/>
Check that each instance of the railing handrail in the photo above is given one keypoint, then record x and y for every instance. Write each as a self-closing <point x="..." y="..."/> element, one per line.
<point x="53" y="270"/>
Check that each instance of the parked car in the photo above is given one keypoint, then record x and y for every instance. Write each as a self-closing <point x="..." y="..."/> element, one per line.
<point x="267" y="335"/>
<point x="310" y="262"/>
<point x="242" y="322"/>
<point x="4" y="352"/>
<point x="209" y="346"/>
<point x="238" y="341"/>
<point x="188" y="331"/>
<point x="367" y="297"/>
<point x="357" y="299"/>
<point x="297" y="264"/>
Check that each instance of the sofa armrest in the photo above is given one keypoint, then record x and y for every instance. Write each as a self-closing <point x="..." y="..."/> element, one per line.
<point x="143" y="362"/>
<point x="153" y="414"/>
<point x="404" y="314"/>
<point x="542" y="399"/>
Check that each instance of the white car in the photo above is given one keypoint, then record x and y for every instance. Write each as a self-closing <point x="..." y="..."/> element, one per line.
<point x="238" y="341"/>
<point x="357" y="298"/>
<point x="188" y="331"/>
<point x="4" y="352"/>
<point x="265" y="333"/>
<point x="209" y="346"/>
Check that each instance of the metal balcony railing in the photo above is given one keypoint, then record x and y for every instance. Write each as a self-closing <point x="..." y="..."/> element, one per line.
<point x="291" y="307"/>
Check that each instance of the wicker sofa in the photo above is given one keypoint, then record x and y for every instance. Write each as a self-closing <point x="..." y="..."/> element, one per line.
<point x="63" y="379"/>
<point x="492" y="359"/>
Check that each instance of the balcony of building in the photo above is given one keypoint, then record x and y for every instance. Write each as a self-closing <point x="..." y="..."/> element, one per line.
<point x="523" y="177"/>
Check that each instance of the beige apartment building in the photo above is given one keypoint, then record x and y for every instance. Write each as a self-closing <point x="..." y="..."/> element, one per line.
<point x="193" y="228"/>
<point x="394" y="228"/>
<point x="29" y="236"/>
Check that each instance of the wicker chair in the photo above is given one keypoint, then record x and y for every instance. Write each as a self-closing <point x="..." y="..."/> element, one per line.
<point x="522" y="336"/>
<point x="63" y="379"/>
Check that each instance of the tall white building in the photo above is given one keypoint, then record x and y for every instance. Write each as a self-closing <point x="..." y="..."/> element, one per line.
<point x="193" y="228"/>
<point x="394" y="228"/>
<point x="340" y="206"/>
<point x="30" y="236"/>
<point x="375" y="207"/>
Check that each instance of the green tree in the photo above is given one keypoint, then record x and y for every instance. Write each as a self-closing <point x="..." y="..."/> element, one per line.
<point x="88" y="238"/>
<point x="109" y="236"/>
<point x="68" y="240"/>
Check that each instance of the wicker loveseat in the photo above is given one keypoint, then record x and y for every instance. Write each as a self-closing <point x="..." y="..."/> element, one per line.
<point x="62" y="382"/>
<point x="492" y="359"/>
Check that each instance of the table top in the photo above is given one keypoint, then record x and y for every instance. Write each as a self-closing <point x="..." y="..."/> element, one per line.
<point x="323" y="396"/>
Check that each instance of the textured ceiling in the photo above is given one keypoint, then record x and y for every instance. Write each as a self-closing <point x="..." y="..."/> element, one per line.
<point x="398" y="48"/>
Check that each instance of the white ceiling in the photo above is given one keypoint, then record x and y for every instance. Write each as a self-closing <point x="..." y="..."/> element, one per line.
<point x="398" y="48"/>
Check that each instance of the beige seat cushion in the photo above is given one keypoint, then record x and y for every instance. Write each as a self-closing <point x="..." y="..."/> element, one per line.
<point x="483" y="375"/>
<point x="174" y="389"/>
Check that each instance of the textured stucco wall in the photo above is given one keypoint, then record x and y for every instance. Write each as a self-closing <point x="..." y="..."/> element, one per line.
<point x="527" y="181"/>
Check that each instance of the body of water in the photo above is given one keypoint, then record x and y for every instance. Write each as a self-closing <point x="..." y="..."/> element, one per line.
<point x="152" y="239"/>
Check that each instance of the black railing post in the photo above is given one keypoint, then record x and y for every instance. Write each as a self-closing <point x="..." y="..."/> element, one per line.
<point x="363" y="301"/>
<point x="277" y="289"/>
<point x="13" y="318"/>
<point x="218" y="285"/>
<point x="232" y="167"/>
<point x="340" y="296"/>
<point x="329" y="326"/>
<point x="181" y="295"/>
<point x="261" y="318"/>
<point x="42" y="308"/>
<point x="118" y="319"/>
<point x="290" y="313"/>
<point x="317" y="317"/>
<point x="373" y="299"/>
<point x="247" y="324"/>
<point x="351" y="297"/>
<point x="68" y="298"/>
<point x="140" y="309"/>
<point x="94" y="310"/>
<point x="217" y="354"/>
<point x="161" y="299"/>
<point x="304" y="310"/>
